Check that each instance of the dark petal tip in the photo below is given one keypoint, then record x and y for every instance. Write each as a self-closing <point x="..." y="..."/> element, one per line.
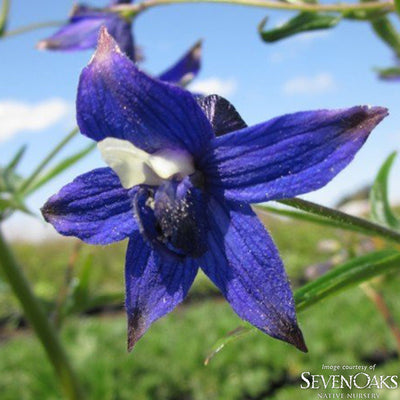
<point x="295" y="337"/>
<point x="136" y="329"/>
<point x="371" y="116"/>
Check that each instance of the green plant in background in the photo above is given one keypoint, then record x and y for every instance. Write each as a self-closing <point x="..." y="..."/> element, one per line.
<point x="77" y="294"/>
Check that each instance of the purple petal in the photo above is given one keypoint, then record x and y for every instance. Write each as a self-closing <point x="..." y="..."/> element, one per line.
<point x="222" y="115"/>
<point x="245" y="265"/>
<point x="115" y="99"/>
<point x="94" y="207"/>
<point x="184" y="70"/>
<point x="155" y="285"/>
<point x="114" y="2"/>
<point x="82" y="31"/>
<point x="289" y="155"/>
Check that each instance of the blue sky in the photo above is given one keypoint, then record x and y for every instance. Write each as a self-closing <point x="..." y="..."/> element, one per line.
<point x="329" y="69"/>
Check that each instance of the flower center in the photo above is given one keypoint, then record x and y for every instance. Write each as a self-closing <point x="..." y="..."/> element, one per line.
<point x="172" y="217"/>
<point x="134" y="166"/>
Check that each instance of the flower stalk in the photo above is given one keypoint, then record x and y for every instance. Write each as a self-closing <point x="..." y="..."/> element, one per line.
<point x="131" y="10"/>
<point x="40" y="323"/>
<point x="344" y="220"/>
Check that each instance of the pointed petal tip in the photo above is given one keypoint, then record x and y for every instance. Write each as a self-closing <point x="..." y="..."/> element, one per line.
<point x="136" y="329"/>
<point x="106" y="45"/>
<point x="296" y="338"/>
<point x="197" y="49"/>
<point x="42" y="45"/>
<point x="367" y="114"/>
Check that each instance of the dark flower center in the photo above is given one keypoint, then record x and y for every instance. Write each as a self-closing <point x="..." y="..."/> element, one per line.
<point x="172" y="217"/>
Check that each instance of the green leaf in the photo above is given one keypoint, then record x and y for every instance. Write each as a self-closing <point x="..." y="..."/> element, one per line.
<point x="387" y="32"/>
<point x="81" y="290"/>
<point x="303" y="22"/>
<point x="381" y="211"/>
<point x="229" y="338"/>
<point x="397" y="6"/>
<point x="347" y="275"/>
<point x="59" y="168"/>
<point x="5" y="8"/>
<point x="340" y="278"/>
<point x="392" y="73"/>
<point x="13" y="164"/>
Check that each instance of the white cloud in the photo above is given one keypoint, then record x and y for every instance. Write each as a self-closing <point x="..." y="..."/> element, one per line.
<point x="17" y="117"/>
<point x="214" y="85"/>
<point x="320" y="83"/>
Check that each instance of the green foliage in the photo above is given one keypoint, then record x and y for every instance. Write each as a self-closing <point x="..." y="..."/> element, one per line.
<point x="389" y="73"/>
<point x="5" y="8"/>
<point x="62" y="166"/>
<point x="303" y="22"/>
<point x="168" y="362"/>
<point x="381" y="211"/>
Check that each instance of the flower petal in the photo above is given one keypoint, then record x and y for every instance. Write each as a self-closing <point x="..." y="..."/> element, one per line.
<point x="289" y="155"/>
<point x="245" y="265"/>
<point x="94" y="207"/>
<point x="222" y="115"/>
<point x="155" y="285"/>
<point x="115" y="99"/>
<point x="82" y="31"/>
<point x="114" y="2"/>
<point x="186" y="68"/>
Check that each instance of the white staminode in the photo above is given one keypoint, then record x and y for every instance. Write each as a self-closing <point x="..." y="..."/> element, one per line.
<point x="134" y="166"/>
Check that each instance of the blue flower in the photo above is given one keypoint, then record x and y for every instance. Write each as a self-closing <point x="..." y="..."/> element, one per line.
<point x="82" y="31"/>
<point x="182" y="174"/>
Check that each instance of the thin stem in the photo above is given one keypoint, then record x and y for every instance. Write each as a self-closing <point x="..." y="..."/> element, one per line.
<point x="377" y="298"/>
<point x="40" y="323"/>
<point x="28" y="182"/>
<point x="31" y="27"/>
<point x="130" y="10"/>
<point x="359" y="224"/>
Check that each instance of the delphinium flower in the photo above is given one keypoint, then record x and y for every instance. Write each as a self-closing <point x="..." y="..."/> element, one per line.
<point x="182" y="173"/>
<point x="82" y="31"/>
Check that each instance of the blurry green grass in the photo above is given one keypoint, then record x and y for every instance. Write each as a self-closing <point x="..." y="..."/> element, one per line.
<point x="168" y="362"/>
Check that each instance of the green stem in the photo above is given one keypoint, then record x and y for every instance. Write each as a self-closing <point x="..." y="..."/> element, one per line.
<point x="31" y="27"/>
<point x="40" y="323"/>
<point x="28" y="181"/>
<point x="131" y="10"/>
<point x="347" y="221"/>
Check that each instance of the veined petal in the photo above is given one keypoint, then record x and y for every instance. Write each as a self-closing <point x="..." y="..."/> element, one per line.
<point x="289" y="155"/>
<point x="244" y="264"/>
<point x="186" y="68"/>
<point x="94" y="207"/>
<point x="222" y="115"/>
<point x="155" y="285"/>
<point x="82" y="31"/>
<point x="115" y="99"/>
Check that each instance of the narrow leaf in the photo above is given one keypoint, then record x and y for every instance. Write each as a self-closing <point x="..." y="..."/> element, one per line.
<point x="397" y="6"/>
<point x="340" y="278"/>
<point x="5" y="8"/>
<point x="381" y="211"/>
<point x="303" y="22"/>
<point x="387" y="32"/>
<point x="60" y="167"/>
<point x="12" y="165"/>
<point x="347" y="275"/>
<point x="389" y="74"/>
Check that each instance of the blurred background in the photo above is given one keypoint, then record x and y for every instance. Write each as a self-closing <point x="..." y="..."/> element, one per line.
<point x="82" y="286"/>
